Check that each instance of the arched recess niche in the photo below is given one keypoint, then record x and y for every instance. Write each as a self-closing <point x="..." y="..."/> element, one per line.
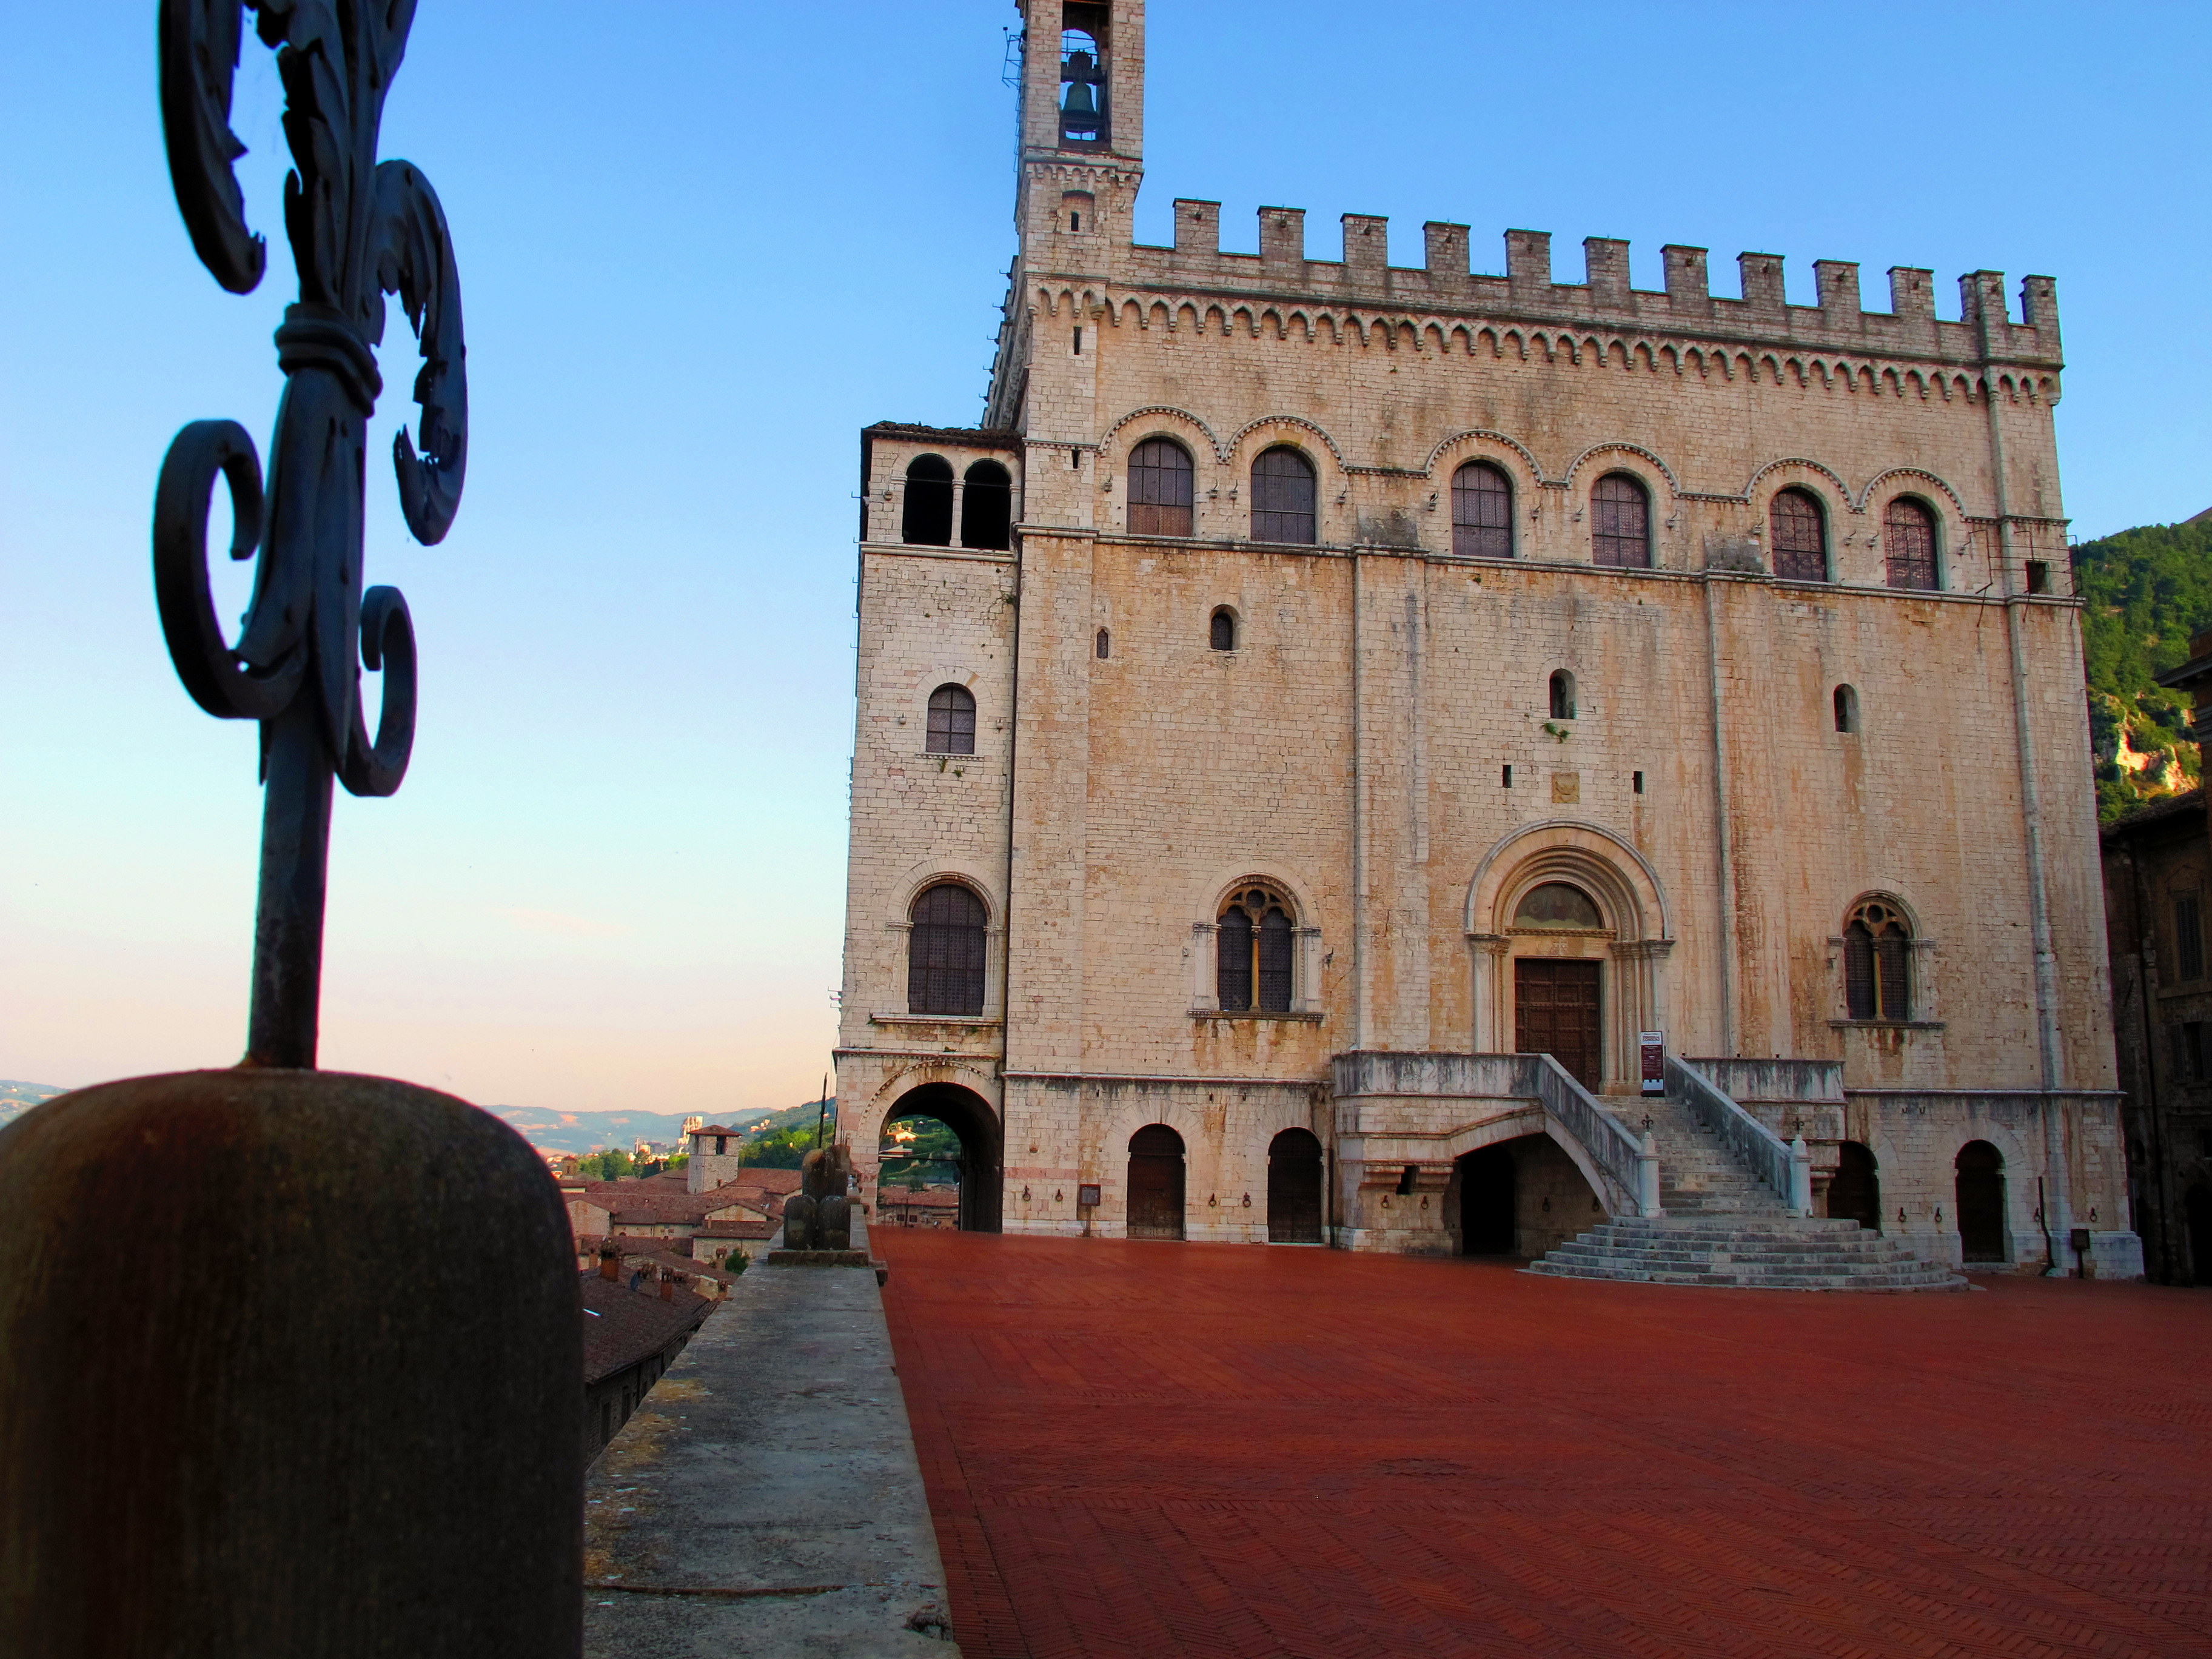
<point x="1630" y="948"/>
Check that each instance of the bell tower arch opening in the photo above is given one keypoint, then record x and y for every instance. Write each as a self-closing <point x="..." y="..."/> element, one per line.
<point x="942" y="1129"/>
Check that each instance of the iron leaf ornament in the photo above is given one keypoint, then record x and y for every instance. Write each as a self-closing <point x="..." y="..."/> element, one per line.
<point x="359" y="230"/>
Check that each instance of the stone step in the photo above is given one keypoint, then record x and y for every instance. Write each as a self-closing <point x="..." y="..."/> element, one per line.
<point x="1773" y="1252"/>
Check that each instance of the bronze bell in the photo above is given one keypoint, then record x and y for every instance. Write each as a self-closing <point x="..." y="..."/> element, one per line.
<point x="1079" y="112"/>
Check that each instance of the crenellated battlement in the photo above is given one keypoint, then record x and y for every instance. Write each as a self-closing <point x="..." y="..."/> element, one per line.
<point x="1446" y="282"/>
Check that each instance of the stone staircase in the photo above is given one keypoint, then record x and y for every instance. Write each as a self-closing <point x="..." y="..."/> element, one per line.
<point x="1724" y="1226"/>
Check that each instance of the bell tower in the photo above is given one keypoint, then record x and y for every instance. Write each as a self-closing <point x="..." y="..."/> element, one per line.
<point x="1082" y="129"/>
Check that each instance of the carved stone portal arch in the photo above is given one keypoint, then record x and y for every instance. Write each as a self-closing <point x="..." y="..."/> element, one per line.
<point x="1631" y="947"/>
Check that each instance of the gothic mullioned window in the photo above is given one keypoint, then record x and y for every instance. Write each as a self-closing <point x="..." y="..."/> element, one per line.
<point x="1482" y="511"/>
<point x="1908" y="544"/>
<point x="1159" y="489"/>
<point x="1620" y="522"/>
<point x="1254" y="946"/>
<point x="1798" y="537"/>
<point x="945" y="952"/>
<point x="1282" y="496"/>
<point x="928" y="518"/>
<point x="951" y="720"/>
<point x="1878" y="963"/>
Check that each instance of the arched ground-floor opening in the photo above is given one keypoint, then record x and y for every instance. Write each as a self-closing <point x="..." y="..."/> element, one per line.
<point x="1521" y="1198"/>
<point x="2197" y="1211"/>
<point x="1980" y="1195"/>
<point x="1855" y="1195"/>
<point x="1294" y="1188"/>
<point x="1156" y="1182"/>
<point x="965" y="1143"/>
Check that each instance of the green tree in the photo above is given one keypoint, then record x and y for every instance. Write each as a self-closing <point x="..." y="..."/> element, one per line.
<point x="2147" y="591"/>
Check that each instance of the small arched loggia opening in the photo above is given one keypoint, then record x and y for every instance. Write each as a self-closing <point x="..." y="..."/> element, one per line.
<point x="1980" y="1195"/>
<point x="1156" y="1182"/>
<point x="1847" y="708"/>
<point x="1294" y="1188"/>
<point x="927" y="520"/>
<point x="956" y="1133"/>
<point x="987" y="507"/>
<point x="1563" y="695"/>
<point x="1855" y="1194"/>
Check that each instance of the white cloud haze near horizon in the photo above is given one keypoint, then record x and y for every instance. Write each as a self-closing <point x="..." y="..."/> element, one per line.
<point x="695" y="260"/>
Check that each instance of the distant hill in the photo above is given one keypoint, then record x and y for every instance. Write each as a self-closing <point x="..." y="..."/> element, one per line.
<point x="16" y="1098"/>
<point x="592" y="1132"/>
<point x="2148" y="591"/>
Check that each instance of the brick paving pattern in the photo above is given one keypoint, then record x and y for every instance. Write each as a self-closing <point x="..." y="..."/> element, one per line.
<point x="1157" y="1449"/>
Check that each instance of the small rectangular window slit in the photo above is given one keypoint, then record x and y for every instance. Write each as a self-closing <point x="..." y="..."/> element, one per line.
<point x="2039" y="576"/>
<point x="1505" y="777"/>
<point x="1637" y="781"/>
<point x="1078" y="342"/>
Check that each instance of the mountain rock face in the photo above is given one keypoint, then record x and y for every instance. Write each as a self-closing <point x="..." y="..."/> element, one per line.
<point x="2145" y="593"/>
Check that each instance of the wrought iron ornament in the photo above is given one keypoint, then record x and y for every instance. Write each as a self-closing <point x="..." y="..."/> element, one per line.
<point x="359" y="230"/>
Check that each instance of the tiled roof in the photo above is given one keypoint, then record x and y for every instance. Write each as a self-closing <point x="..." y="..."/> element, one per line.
<point x="736" y="1230"/>
<point x="622" y="1326"/>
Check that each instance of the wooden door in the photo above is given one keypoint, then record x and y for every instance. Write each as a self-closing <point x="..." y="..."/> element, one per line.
<point x="1555" y="1013"/>
<point x="1294" y="1189"/>
<point x="1156" y="1182"/>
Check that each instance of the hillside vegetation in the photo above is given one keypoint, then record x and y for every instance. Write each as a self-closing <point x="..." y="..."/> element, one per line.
<point x="2146" y="591"/>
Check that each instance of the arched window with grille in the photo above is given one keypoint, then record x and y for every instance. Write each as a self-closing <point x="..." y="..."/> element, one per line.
<point x="1482" y="511"/>
<point x="1282" y="496"/>
<point x="1620" y="522"/>
<point x="951" y="720"/>
<point x="1221" y="630"/>
<point x="1160" y="489"/>
<point x="987" y="507"/>
<point x="928" y="517"/>
<point x="1255" y="949"/>
<point x="1908" y="544"/>
<point x="1878" y="962"/>
<point x="945" y="952"/>
<point x="1797" y="537"/>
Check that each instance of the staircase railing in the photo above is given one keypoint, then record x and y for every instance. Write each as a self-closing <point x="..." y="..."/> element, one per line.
<point x="1631" y="1167"/>
<point x="1787" y="1169"/>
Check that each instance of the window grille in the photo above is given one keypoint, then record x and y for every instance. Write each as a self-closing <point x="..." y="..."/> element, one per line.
<point x="951" y="720"/>
<point x="1282" y="497"/>
<point x="945" y="952"/>
<point x="1255" y="953"/>
<point x="1797" y="533"/>
<point x="1482" y="511"/>
<point x="1221" y="632"/>
<point x="1620" y="514"/>
<point x="1908" y="544"/>
<point x="1878" y="963"/>
<point x="1160" y="489"/>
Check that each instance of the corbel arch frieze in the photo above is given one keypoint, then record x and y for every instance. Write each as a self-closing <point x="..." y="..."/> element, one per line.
<point x="1278" y="428"/>
<point x="1917" y="476"/>
<point x="1618" y="447"/>
<point x="1188" y="423"/>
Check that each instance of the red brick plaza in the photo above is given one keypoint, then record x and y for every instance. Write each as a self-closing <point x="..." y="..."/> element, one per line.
<point x="1155" y="1450"/>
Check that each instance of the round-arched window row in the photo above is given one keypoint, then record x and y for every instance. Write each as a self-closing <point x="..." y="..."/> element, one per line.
<point x="945" y="943"/>
<point x="951" y="721"/>
<point x="1620" y="522"/>
<point x="1283" y="497"/>
<point x="987" y="504"/>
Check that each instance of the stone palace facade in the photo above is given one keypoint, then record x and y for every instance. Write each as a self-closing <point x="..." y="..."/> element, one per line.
<point x="1320" y="680"/>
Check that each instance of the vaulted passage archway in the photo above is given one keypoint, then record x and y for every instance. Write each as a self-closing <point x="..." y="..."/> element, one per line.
<point x="1156" y="1180"/>
<point x="970" y="1118"/>
<point x="1294" y="1186"/>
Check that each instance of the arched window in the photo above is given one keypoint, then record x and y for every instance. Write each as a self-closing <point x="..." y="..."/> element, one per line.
<point x="1482" y="511"/>
<point x="1878" y="963"/>
<point x="1104" y="645"/>
<point x="1847" y="709"/>
<point x="1282" y="496"/>
<point x="945" y="952"/>
<point x="1908" y="544"/>
<point x="951" y="720"/>
<point x="1253" y="953"/>
<point x="1798" y="537"/>
<point x="1159" y="489"/>
<point x="1563" y="695"/>
<point x="987" y="507"/>
<point x="928" y="521"/>
<point x="1221" y="631"/>
<point x="1558" y="904"/>
<point x="1620" y="522"/>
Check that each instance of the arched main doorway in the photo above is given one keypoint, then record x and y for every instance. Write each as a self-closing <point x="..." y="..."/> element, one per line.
<point x="1489" y="1192"/>
<point x="1981" y="1200"/>
<point x="1156" y="1182"/>
<point x="974" y="1128"/>
<point x="1294" y="1183"/>
<point x="1855" y="1195"/>
<point x="2197" y="1210"/>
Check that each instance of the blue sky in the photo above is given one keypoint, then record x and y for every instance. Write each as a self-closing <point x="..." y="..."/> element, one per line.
<point x="698" y="250"/>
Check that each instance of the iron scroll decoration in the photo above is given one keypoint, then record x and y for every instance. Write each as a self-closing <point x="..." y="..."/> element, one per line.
<point x="359" y="230"/>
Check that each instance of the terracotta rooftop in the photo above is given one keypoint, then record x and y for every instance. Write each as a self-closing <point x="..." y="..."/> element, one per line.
<point x="622" y="1326"/>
